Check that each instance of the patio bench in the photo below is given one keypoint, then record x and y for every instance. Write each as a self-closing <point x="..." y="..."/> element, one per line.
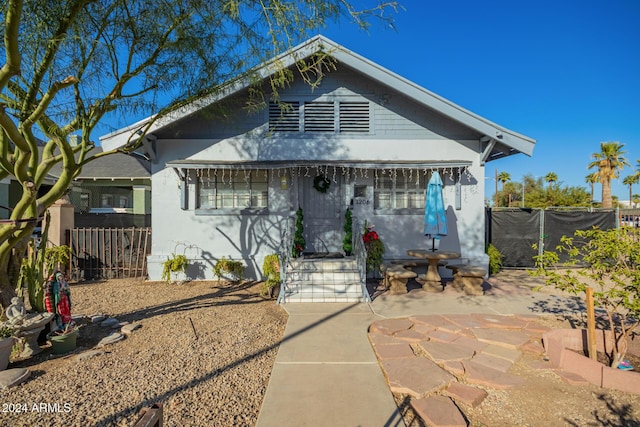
<point x="396" y="277"/>
<point x="468" y="278"/>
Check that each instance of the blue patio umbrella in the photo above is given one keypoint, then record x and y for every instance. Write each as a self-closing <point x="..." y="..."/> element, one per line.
<point x="435" y="215"/>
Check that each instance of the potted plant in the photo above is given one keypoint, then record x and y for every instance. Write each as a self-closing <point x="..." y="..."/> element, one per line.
<point x="347" y="242"/>
<point x="64" y="340"/>
<point x="271" y="269"/>
<point x="173" y="266"/>
<point x="374" y="248"/>
<point x="229" y="269"/>
<point x="6" y="345"/>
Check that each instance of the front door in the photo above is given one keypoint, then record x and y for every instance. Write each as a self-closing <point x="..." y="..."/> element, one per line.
<point x="323" y="215"/>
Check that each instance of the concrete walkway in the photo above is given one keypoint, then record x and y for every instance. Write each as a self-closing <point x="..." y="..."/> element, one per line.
<point x="326" y="372"/>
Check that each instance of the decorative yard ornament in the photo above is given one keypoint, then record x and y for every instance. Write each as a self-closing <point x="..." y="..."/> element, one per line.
<point x="57" y="298"/>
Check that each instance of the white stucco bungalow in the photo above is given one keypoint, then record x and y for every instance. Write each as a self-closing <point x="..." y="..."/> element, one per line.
<point x="225" y="180"/>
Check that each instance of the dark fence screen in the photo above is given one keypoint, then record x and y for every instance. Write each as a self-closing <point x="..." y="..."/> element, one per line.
<point x="565" y="223"/>
<point x="515" y="231"/>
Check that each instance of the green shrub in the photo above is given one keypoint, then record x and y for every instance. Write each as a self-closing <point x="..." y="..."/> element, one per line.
<point x="234" y="270"/>
<point x="495" y="259"/>
<point x="175" y="264"/>
<point x="609" y="262"/>
<point x="271" y="269"/>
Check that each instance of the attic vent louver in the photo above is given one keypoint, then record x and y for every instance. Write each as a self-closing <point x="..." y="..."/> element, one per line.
<point x="354" y="117"/>
<point x="284" y="117"/>
<point x="319" y="117"/>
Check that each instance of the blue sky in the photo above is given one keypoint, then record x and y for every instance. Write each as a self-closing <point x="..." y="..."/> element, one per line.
<point x="566" y="73"/>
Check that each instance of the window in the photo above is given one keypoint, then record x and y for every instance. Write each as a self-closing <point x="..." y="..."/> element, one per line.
<point x="225" y="189"/>
<point x="84" y="202"/>
<point x="106" y="201"/>
<point x="123" y="201"/>
<point x="402" y="192"/>
<point x="320" y="116"/>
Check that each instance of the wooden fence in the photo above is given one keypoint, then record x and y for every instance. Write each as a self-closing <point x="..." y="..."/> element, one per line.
<point x="109" y="253"/>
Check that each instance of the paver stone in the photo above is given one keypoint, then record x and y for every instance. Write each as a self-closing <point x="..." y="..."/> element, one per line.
<point x="439" y="411"/>
<point x="439" y="351"/>
<point x="502" y="337"/>
<point x="416" y="376"/>
<point x="390" y="326"/>
<point x="470" y="396"/>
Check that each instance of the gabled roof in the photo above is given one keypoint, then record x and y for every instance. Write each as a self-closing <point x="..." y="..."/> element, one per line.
<point x="498" y="141"/>
<point x="113" y="166"/>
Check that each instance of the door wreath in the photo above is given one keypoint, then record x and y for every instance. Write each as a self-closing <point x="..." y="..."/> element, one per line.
<point x="321" y="183"/>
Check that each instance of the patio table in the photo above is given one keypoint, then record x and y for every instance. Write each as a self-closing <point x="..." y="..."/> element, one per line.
<point x="432" y="280"/>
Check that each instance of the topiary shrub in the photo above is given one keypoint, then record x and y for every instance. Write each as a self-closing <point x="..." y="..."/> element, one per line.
<point x="298" y="238"/>
<point x="347" y="242"/>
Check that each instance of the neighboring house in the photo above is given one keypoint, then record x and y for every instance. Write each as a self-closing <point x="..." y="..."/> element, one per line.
<point x="226" y="181"/>
<point x="112" y="191"/>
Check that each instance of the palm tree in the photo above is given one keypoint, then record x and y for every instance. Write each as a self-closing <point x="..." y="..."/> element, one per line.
<point x="608" y="164"/>
<point x="630" y="180"/>
<point x="636" y="200"/>
<point x="551" y="177"/>
<point x="503" y="177"/>
<point x="591" y="179"/>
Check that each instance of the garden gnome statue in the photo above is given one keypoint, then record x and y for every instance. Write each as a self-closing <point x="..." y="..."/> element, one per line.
<point x="57" y="297"/>
<point x="16" y="311"/>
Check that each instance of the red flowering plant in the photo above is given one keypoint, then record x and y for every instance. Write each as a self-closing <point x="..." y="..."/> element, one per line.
<point x="373" y="246"/>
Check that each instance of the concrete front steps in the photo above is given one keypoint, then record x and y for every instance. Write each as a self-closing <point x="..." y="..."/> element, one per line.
<point x="323" y="280"/>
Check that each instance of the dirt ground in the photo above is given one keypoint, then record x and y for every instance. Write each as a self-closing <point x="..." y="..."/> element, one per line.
<point x="206" y="351"/>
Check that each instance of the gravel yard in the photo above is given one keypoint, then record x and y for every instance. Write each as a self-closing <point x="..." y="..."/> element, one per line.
<point x="205" y="350"/>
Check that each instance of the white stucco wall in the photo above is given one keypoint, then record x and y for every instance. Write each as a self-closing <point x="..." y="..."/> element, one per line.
<point x="205" y="238"/>
<point x="401" y="132"/>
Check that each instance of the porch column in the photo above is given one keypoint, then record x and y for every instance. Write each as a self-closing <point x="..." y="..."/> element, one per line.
<point x="62" y="219"/>
<point x="141" y="199"/>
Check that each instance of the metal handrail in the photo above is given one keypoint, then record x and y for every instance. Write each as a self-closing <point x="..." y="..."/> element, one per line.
<point x="284" y="255"/>
<point x="360" y="254"/>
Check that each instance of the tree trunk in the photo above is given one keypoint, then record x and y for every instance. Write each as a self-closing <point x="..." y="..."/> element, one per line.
<point x="606" y="194"/>
<point x="7" y="289"/>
